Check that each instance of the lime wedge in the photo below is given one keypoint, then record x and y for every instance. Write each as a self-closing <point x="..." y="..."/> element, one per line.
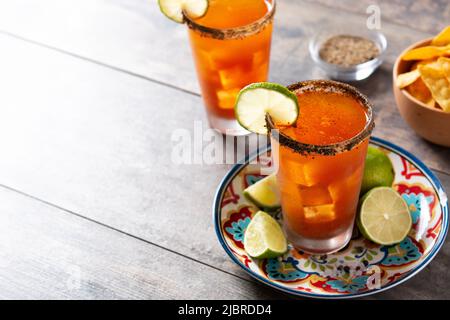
<point x="257" y="99"/>
<point x="264" y="237"/>
<point x="384" y="217"/>
<point x="264" y="193"/>
<point x="173" y="9"/>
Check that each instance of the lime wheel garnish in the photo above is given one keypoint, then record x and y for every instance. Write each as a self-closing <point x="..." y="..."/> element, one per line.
<point x="258" y="99"/>
<point x="173" y="9"/>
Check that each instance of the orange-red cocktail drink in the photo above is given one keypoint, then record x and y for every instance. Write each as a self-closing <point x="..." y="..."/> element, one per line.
<point x="321" y="163"/>
<point x="231" y="48"/>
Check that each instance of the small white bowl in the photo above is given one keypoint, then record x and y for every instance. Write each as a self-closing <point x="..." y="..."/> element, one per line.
<point x="352" y="73"/>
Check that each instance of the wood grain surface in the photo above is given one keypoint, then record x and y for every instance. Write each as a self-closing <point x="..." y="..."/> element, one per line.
<point x="425" y="15"/>
<point x="92" y="91"/>
<point x="90" y="29"/>
<point x="48" y="253"/>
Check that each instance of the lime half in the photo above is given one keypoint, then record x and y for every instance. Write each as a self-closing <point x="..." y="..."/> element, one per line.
<point x="264" y="238"/>
<point x="264" y="193"/>
<point x="384" y="217"/>
<point x="257" y="99"/>
<point x="173" y="9"/>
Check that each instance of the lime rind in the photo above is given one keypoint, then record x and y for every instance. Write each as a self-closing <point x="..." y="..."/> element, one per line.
<point x="173" y="9"/>
<point x="378" y="170"/>
<point x="384" y="216"/>
<point x="264" y="193"/>
<point x="264" y="238"/>
<point x="258" y="99"/>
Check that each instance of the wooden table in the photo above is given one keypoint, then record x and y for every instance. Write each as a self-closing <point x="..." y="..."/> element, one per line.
<point x="91" y="206"/>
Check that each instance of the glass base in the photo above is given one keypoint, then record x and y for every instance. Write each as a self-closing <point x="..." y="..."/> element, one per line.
<point x="319" y="246"/>
<point x="226" y="126"/>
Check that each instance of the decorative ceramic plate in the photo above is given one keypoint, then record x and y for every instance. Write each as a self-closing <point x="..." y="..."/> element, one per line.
<point x="363" y="267"/>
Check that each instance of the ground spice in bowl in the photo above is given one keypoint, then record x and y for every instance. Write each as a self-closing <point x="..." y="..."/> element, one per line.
<point x="347" y="50"/>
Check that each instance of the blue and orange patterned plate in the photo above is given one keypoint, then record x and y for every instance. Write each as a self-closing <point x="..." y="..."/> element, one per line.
<point x="363" y="267"/>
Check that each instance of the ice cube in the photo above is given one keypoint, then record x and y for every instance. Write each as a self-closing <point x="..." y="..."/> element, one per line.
<point x="294" y="171"/>
<point x="233" y="78"/>
<point x="227" y="98"/>
<point x="344" y="186"/>
<point x="315" y="195"/>
<point x="314" y="172"/>
<point x="260" y="57"/>
<point x="291" y="203"/>
<point x="215" y="59"/>
<point x="206" y="60"/>
<point x="319" y="214"/>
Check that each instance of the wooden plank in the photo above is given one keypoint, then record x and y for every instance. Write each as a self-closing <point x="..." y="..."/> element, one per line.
<point x="428" y="16"/>
<point x="130" y="34"/>
<point x="98" y="142"/>
<point x="48" y="254"/>
<point x="152" y="45"/>
<point x="147" y="42"/>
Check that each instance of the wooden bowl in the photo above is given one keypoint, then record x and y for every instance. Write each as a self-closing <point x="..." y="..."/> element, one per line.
<point x="431" y="124"/>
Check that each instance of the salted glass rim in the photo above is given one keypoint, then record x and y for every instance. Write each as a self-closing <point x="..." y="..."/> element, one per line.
<point x="326" y="149"/>
<point x="232" y="33"/>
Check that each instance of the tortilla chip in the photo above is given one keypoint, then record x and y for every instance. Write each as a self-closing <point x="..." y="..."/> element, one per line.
<point x="438" y="84"/>
<point x="428" y="52"/>
<point x="431" y="103"/>
<point x="407" y="78"/>
<point x="420" y="62"/>
<point x="420" y="91"/>
<point x="436" y="64"/>
<point x="443" y="38"/>
<point x="445" y="65"/>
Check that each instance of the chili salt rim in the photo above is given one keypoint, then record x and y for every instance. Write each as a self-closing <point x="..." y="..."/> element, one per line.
<point x="232" y="33"/>
<point x="328" y="149"/>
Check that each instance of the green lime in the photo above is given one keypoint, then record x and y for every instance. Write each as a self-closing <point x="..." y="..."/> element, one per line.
<point x="173" y="9"/>
<point x="264" y="193"/>
<point x="384" y="217"/>
<point x="264" y="237"/>
<point x="257" y="99"/>
<point x="378" y="170"/>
